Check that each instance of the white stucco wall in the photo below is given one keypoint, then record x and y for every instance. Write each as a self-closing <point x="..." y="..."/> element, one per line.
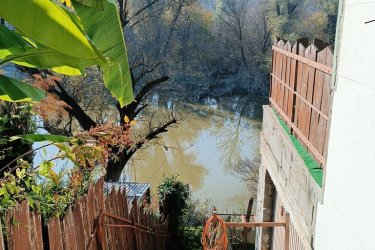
<point x="346" y="219"/>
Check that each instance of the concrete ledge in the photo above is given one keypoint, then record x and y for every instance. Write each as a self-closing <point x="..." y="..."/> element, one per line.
<point x="297" y="189"/>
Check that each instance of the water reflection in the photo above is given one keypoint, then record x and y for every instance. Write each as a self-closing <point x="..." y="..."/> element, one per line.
<point x="209" y="139"/>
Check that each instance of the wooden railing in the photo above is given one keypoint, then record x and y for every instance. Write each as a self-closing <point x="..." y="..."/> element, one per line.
<point x="301" y="92"/>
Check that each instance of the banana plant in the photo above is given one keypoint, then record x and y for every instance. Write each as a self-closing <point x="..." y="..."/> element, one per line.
<point x="45" y="34"/>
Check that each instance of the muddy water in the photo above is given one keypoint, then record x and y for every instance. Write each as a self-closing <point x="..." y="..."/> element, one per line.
<point x="203" y="147"/>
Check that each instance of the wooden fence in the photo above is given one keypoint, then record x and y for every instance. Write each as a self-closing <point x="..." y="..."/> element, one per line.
<point x="301" y="92"/>
<point x="95" y="221"/>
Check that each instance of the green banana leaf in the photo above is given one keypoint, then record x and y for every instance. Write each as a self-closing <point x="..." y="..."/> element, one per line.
<point x="66" y="70"/>
<point x="9" y="39"/>
<point x="45" y="58"/>
<point x="50" y="25"/>
<point x="63" y="37"/>
<point x="13" y="90"/>
<point x="96" y="4"/>
<point x="12" y="44"/>
<point x="105" y="30"/>
<point x="40" y="138"/>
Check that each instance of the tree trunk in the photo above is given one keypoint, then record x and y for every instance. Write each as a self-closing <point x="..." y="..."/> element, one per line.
<point x="115" y="167"/>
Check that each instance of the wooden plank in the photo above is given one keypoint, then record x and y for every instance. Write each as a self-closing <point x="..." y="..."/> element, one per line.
<point x="273" y="85"/>
<point x="129" y="234"/>
<point x="36" y="231"/>
<point x="18" y="224"/>
<point x="133" y="217"/>
<point x="54" y="234"/>
<point x="293" y="80"/>
<point x="288" y="48"/>
<point x="249" y="209"/>
<point x="301" y="122"/>
<point x="288" y="94"/>
<point x="277" y="70"/>
<point x="254" y="224"/>
<point x="100" y="235"/>
<point x="142" y="221"/>
<point x="79" y="225"/>
<point x="2" y="247"/>
<point x="121" y="212"/>
<point x="110" y="231"/>
<point x="91" y="212"/>
<point x="107" y="221"/>
<point x="304" y="60"/>
<point x="68" y="231"/>
<point x="82" y="205"/>
<point x="116" y="211"/>
<point x="287" y="232"/>
<point x="326" y="99"/>
<point x="303" y="92"/>
<point x="158" y="239"/>
<point x="300" y="73"/>
<point x="280" y="62"/>
<point x="114" y="232"/>
<point x="283" y="77"/>
<point x="99" y="195"/>
<point x="311" y="54"/>
<point x="317" y="101"/>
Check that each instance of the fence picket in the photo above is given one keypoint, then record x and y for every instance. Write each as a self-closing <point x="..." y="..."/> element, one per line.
<point x="2" y="247"/>
<point x="311" y="54"/>
<point x="18" y="226"/>
<point x="55" y="234"/>
<point x="317" y="101"/>
<point x="68" y="231"/>
<point x="36" y="231"/>
<point x="326" y="100"/>
<point x="79" y="226"/>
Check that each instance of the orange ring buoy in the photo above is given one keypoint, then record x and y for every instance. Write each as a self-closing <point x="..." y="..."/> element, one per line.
<point x="214" y="236"/>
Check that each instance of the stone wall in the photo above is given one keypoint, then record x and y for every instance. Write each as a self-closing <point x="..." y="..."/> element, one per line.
<point x="297" y="190"/>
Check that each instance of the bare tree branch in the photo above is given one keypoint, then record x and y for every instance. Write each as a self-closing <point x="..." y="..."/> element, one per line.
<point x="150" y="85"/>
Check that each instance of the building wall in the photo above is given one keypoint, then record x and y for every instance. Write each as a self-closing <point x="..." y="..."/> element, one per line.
<point x="297" y="192"/>
<point x="346" y="219"/>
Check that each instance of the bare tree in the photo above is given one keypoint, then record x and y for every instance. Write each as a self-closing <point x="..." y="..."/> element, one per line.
<point x="247" y="170"/>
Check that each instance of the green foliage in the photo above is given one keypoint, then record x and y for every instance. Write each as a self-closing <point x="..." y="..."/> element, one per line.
<point x="105" y="30"/>
<point x="66" y="42"/>
<point x="174" y="196"/>
<point x="15" y="118"/>
<point x="292" y="19"/>
<point x="192" y="238"/>
<point x="48" y="192"/>
<point x="52" y="192"/>
<point x="40" y="138"/>
<point x="50" y="196"/>
<point x="95" y="4"/>
<point x="51" y="26"/>
<point x="12" y="90"/>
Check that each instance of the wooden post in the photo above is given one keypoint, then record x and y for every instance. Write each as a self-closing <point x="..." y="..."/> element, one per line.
<point x="249" y="208"/>
<point x="247" y="219"/>
<point x="100" y="232"/>
<point x="287" y="231"/>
